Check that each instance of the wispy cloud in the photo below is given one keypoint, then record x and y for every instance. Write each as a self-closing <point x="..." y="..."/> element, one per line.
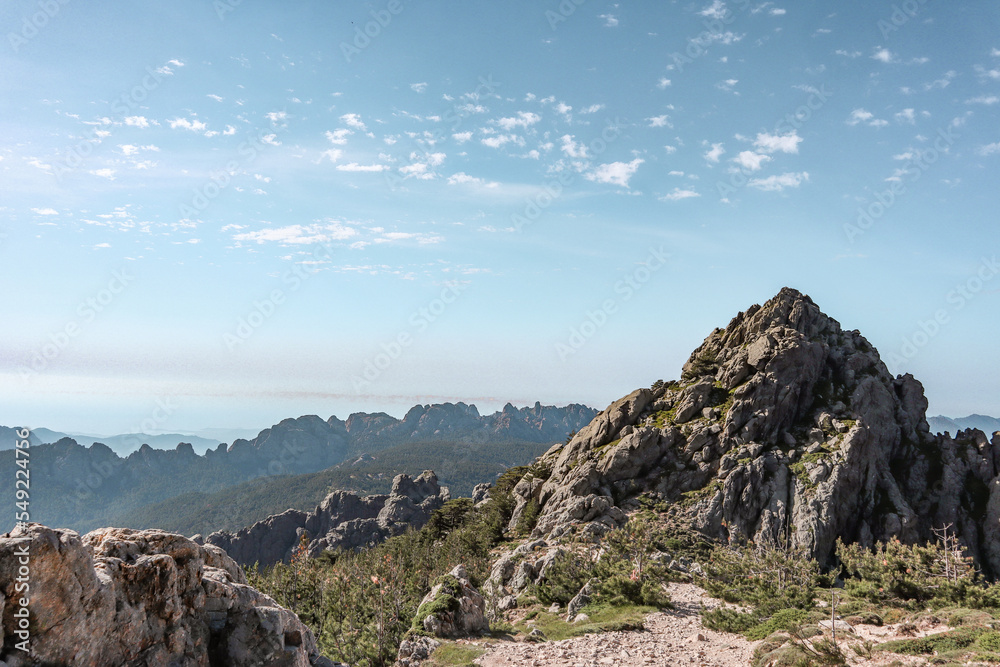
<point x="779" y="183"/>
<point x="677" y="194"/>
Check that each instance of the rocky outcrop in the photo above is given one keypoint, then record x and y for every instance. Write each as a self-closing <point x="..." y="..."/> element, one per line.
<point x="452" y="608"/>
<point x="342" y="521"/>
<point x="124" y="597"/>
<point x="785" y="428"/>
<point x="77" y="487"/>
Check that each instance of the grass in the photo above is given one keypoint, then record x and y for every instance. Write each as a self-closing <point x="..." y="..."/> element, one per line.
<point x="602" y="619"/>
<point x="454" y="655"/>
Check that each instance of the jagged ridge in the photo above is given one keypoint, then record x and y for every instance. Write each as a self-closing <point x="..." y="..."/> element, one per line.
<point x="784" y="429"/>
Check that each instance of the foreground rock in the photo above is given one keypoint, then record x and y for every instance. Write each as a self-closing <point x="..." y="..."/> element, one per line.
<point x="453" y="608"/>
<point x="125" y="597"/>
<point x="342" y="520"/>
<point x="784" y="427"/>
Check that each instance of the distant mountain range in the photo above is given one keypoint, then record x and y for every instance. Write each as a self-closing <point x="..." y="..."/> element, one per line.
<point x="122" y="444"/>
<point x="80" y="487"/>
<point x="987" y="425"/>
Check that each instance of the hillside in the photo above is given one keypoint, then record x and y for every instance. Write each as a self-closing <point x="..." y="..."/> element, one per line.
<point x="89" y="487"/>
<point x="459" y="469"/>
<point x="784" y="429"/>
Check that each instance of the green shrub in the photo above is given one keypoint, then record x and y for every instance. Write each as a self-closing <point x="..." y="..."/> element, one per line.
<point x="529" y="517"/>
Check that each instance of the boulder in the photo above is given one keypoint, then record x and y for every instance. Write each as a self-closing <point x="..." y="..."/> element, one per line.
<point x="453" y="608"/>
<point x="125" y="597"/>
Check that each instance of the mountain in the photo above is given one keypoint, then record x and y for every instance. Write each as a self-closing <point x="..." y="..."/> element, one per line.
<point x="9" y="436"/>
<point x="460" y="467"/>
<point x="122" y="444"/>
<point x="784" y="429"/>
<point x="84" y="487"/>
<point x="982" y="423"/>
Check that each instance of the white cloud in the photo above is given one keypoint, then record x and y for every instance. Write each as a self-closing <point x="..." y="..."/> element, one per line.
<point x="333" y="154"/>
<point x="779" y="183"/>
<point x="884" y="56"/>
<point x="45" y="211"/>
<point x="215" y="97"/>
<point x="354" y="166"/>
<point x="573" y="149"/>
<point x="461" y="178"/>
<point x="462" y="137"/>
<point x="104" y="173"/>
<point x="339" y="136"/>
<point x="989" y="149"/>
<point x="670" y="149"/>
<point x="751" y="161"/>
<point x="299" y="234"/>
<point x="523" y="119"/>
<point x="864" y="116"/>
<point x="185" y="124"/>
<point x="717" y="10"/>
<point x="276" y="116"/>
<point x="714" y="153"/>
<point x="593" y="108"/>
<point x="563" y="108"/>
<point x="679" y="194"/>
<point x="418" y="87"/>
<point x="137" y="121"/>
<point x="353" y="120"/>
<point x="230" y="130"/>
<point x="271" y="140"/>
<point x="727" y="85"/>
<point x="848" y="54"/>
<point x="660" y="121"/>
<point x="663" y="82"/>
<point x="615" y="173"/>
<point x="499" y="140"/>
<point x="906" y="116"/>
<point x="777" y="11"/>
<point x="983" y="99"/>
<point x="610" y="20"/>
<point x="772" y="143"/>
<point x="707" y="38"/>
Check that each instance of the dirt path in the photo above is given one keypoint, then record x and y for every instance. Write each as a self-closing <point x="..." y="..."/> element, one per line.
<point x="673" y="637"/>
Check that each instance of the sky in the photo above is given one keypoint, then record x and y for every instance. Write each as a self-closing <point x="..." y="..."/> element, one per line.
<point x="223" y="214"/>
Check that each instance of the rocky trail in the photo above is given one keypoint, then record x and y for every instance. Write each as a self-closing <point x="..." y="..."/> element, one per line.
<point x="672" y="637"/>
<point x="676" y="637"/>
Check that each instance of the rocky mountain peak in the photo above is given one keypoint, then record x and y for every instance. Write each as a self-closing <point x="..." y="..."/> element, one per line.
<point x="784" y="428"/>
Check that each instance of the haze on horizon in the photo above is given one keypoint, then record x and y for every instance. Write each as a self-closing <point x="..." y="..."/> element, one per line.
<point x="236" y="207"/>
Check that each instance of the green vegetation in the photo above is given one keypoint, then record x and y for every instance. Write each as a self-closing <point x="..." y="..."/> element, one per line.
<point x="242" y="504"/>
<point x="454" y="655"/>
<point x="602" y="619"/>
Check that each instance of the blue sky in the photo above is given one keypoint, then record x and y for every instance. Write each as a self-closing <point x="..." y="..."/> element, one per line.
<point x="245" y="211"/>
